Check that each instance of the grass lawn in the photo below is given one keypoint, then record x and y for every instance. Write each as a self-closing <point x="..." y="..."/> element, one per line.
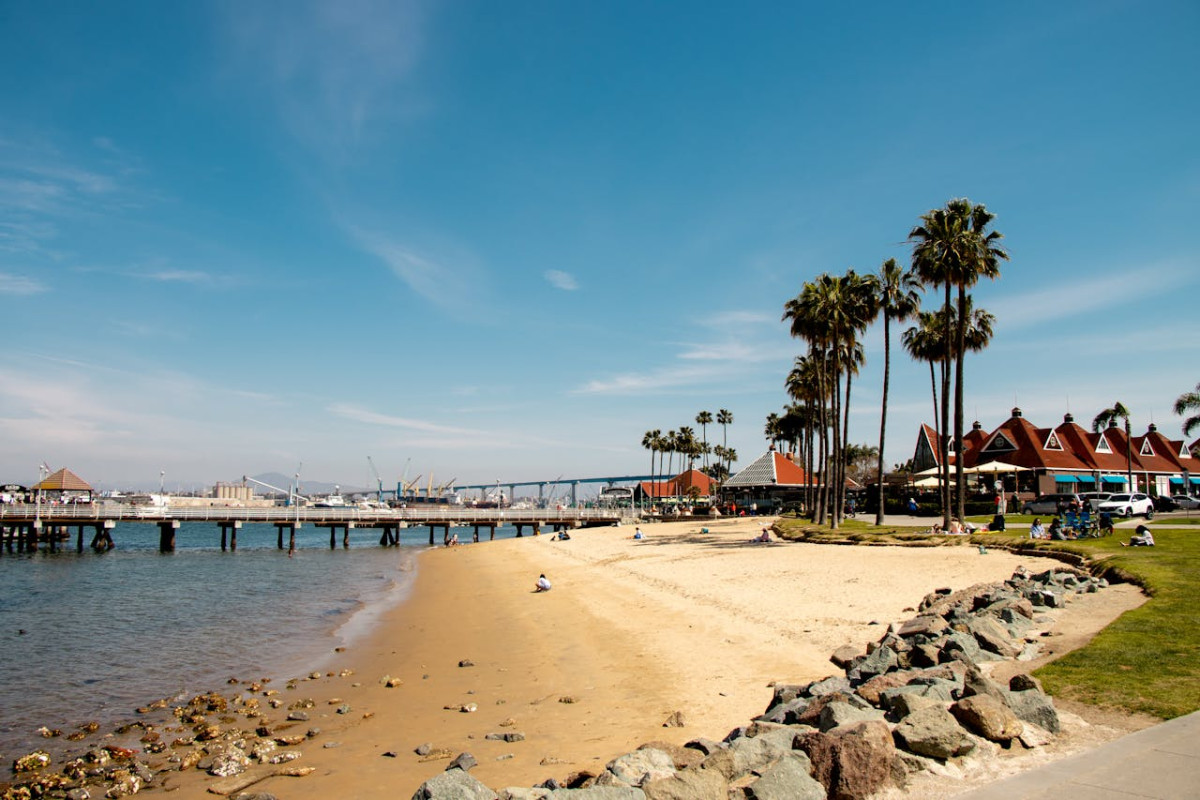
<point x="1148" y="660"/>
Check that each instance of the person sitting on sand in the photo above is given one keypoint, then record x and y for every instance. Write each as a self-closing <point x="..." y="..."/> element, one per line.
<point x="955" y="528"/>
<point x="543" y="584"/>
<point x="1036" y="531"/>
<point x="1142" y="537"/>
<point x="936" y="530"/>
<point x="764" y="537"/>
<point x="637" y="533"/>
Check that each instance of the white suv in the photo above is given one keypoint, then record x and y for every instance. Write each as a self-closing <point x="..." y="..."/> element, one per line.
<point x="1126" y="505"/>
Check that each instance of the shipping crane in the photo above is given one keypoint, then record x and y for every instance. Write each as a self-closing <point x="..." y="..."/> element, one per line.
<point x="291" y="493"/>
<point x="378" y="481"/>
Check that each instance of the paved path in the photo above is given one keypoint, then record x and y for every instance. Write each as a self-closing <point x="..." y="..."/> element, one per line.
<point x="1162" y="762"/>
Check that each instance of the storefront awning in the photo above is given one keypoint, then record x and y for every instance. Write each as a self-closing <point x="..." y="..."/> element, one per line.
<point x="1113" y="479"/>
<point x="1195" y="481"/>
<point x="1177" y="481"/>
<point x="1059" y="478"/>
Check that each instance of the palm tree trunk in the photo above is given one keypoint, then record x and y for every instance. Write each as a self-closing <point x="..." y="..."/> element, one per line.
<point x="835" y="512"/>
<point x="845" y="438"/>
<point x="887" y="363"/>
<point x="943" y="439"/>
<point x="959" y="497"/>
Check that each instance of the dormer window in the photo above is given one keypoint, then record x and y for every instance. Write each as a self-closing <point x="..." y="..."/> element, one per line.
<point x="999" y="444"/>
<point x="1146" y="449"/>
<point x="1183" y="450"/>
<point x="1102" y="446"/>
<point x="1052" y="442"/>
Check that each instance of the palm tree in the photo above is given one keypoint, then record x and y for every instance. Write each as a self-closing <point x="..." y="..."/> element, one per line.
<point x="687" y="446"/>
<point x="650" y="442"/>
<point x="704" y="419"/>
<point x="1189" y="401"/>
<point x="896" y="293"/>
<point x="725" y="419"/>
<point x="953" y="249"/>
<point x="1108" y="418"/>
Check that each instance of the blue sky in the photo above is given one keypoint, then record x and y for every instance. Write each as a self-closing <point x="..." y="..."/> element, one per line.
<point x="502" y="240"/>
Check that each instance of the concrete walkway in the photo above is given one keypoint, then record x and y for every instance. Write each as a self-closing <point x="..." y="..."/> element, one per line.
<point x="1162" y="762"/>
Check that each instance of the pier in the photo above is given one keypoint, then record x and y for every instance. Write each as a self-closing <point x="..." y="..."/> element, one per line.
<point x="25" y="527"/>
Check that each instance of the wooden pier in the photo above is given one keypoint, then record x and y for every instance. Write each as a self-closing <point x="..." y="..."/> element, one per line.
<point x="24" y="527"/>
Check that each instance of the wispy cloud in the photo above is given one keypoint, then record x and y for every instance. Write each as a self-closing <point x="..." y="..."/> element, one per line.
<point x="1099" y="292"/>
<point x="447" y="281"/>
<point x="20" y="285"/>
<point x="332" y="69"/>
<point x="180" y="276"/>
<point x="561" y="280"/>
<point x="352" y="412"/>
<point x="633" y="383"/>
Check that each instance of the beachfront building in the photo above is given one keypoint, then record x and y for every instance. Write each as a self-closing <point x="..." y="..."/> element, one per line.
<point x="765" y="484"/>
<point x="1070" y="458"/>
<point x="685" y="487"/>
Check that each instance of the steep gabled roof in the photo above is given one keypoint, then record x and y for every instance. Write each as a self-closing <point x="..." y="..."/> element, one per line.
<point x="769" y="469"/>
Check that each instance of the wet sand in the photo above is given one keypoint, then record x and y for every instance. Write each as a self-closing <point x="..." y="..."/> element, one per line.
<point x="687" y="621"/>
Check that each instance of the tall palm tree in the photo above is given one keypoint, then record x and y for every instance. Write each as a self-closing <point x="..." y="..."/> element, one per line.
<point x="1189" y="401"/>
<point x="650" y="442"/>
<point x="725" y="419"/>
<point x="896" y="292"/>
<point x="952" y="248"/>
<point x="687" y="446"/>
<point x="1108" y="417"/>
<point x="704" y="419"/>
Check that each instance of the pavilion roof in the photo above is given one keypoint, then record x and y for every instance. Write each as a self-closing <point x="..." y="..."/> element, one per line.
<point x="63" y="481"/>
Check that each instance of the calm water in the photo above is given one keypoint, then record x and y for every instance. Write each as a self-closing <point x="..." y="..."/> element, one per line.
<point x="106" y="633"/>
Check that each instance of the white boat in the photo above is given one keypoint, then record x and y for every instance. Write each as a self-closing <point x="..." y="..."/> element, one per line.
<point x="334" y="500"/>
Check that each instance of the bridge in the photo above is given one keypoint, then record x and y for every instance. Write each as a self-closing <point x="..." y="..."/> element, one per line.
<point x="23" y="526"/>
<point x="572" y="482"/>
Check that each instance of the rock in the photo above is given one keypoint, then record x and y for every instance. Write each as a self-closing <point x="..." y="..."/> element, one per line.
<point x="992" y="636"/>
<point x="38" y="759"/>
<point x="840" y="713"/>
<point x="705" y="746"/>
<point x="906" y="703"/>
<point x="924" y="625"/>
<point x="691" y="784"/>
<point x="871" y="690"/>
<point x="423" y="749"/>
<point x="681" y="757"/>
<point x="988" y="717"/>
<point x="599" y="793"/>
<point x="463" y="761"/>
<point x="231" y="762"/>
<point x="786" y="779"/>
<point x="976" y="683"/>
<point x="521" y="793"/>
<point x="1035" y="736"/>
<point x="641" y="766"/>
<point x="466" y="662"/>
<point x="844" y="655"/>
<point x="298" y="716"/>
<point x="851" y="762"/>
<point x="877" y="663"/>
<point x="830" y="685"/>
<point x="933" y="732"/>
<point x="453" y="784"/>
<point x="788" y="713"/>
<point x="675" y="720"/>
<point x="751" y="753"/>
<point x="1033" y="706"/>
<point x="1023" y="682"/>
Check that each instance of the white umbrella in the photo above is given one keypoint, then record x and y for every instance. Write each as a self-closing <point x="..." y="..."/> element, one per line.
<point x="926" y="483"/>
<point x="993" y="468"/>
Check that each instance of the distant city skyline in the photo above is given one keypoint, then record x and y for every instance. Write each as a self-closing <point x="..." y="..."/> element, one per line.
<point x="502" y="241"/>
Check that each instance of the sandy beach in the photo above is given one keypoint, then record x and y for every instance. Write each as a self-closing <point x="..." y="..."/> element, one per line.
<point x="683" y="620"/>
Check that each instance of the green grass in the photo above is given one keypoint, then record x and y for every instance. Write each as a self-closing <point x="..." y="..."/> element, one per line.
<point x="1148" y="660"/>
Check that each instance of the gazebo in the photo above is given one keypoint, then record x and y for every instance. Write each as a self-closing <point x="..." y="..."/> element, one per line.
<point x="63" y="482"/>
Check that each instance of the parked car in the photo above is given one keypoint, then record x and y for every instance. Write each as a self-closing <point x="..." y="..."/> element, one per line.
<point x="1127" y="504"/>
<point x="1049" y="504"/>
<point x="1186" y="501"/>
<point x="1093" y="499"/>
<point x="1164" y="503"/>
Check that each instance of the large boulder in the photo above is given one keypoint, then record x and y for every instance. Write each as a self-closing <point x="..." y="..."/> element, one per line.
<point x="879" y="662"/>
<point x="786" y="779"/>
<point x="841" y="712"/>
<point x="830" y="685"/>
<point x="871" y="690"/>
<point x="923" y="625"/>
<point x="689" y="784"/>
<point x="933" y="732"/>
<point x="851" y="762"/>
<point x="988" y="717"/>
<point x="599" y="793"/>
<point x="992" y="636"/>
<point x="751" y="753"/>
<point x="641" y="766"/>
<point x="453" y="784"/>
<point x="1033" y="706"/>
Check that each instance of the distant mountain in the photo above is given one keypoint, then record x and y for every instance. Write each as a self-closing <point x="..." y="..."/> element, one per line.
<point x="307" y="487"/>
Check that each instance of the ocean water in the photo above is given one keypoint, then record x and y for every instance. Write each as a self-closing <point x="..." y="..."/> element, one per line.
<point x="104" y="633"/>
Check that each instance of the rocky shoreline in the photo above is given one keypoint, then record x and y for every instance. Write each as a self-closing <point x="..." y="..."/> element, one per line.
<point x="918" y="699"/>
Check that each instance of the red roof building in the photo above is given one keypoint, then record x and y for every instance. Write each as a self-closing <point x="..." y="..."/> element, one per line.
<point x="1071" y="458"/>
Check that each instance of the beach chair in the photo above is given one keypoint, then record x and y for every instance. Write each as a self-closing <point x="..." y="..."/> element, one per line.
<point x="1071" y="521"/>
<point x="1087" y="525"/>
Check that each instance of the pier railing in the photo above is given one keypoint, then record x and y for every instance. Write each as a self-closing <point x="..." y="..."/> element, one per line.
<point x="69" y="514"/>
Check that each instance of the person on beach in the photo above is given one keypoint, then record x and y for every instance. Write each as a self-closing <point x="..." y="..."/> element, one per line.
<point x="912" y="506"/>
<point x="542" y="585"/>
<point x="1036" y="531"/>
<point x="764" y="537"/>
<point x="1142" y="537"/>
<point x="637" y="533"/>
